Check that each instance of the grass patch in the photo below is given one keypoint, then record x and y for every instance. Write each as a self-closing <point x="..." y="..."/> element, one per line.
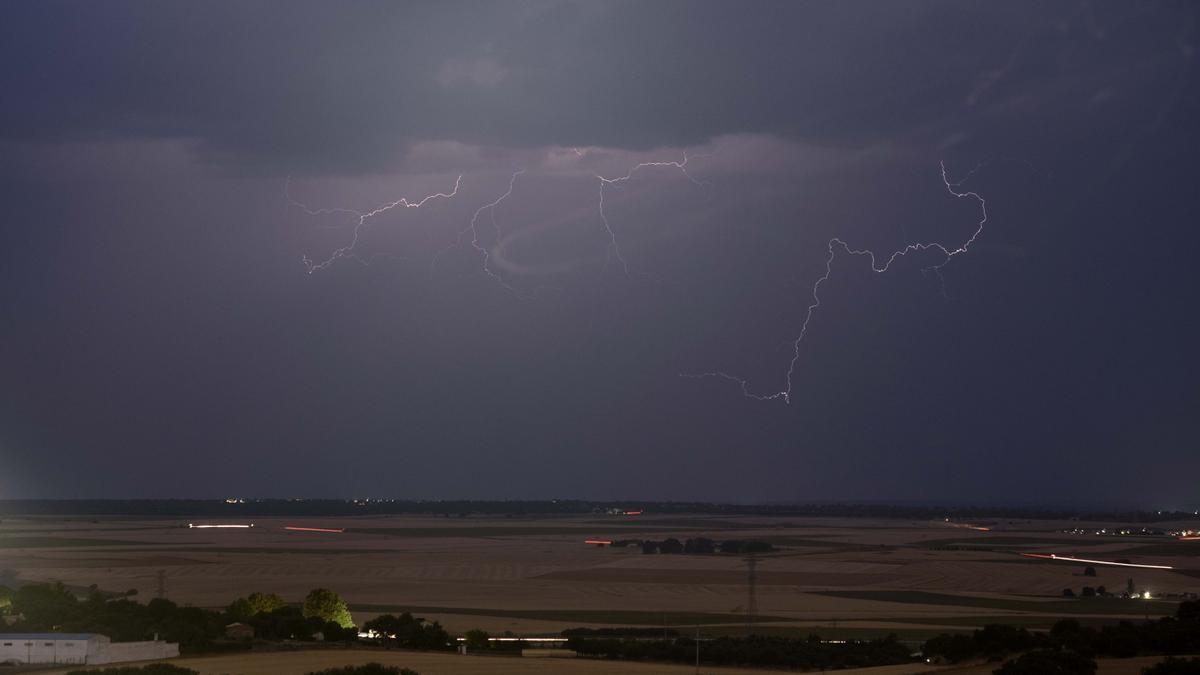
<point x="616" y="616"/>
<point x="1061" y="607"/>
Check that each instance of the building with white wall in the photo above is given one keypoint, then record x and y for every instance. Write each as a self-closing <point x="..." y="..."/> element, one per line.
<point x="78" y="649"/>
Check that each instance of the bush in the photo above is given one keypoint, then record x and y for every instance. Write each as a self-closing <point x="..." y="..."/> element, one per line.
<point x="1048" y="662"/>
<point x="366" y="669"/>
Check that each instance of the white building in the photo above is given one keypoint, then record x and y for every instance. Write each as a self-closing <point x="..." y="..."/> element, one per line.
<point x="78" y="649"/>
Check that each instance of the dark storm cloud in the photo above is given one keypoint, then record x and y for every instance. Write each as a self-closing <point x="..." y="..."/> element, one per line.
<point x="347" y="87"/>
<point x="159" y="335"/>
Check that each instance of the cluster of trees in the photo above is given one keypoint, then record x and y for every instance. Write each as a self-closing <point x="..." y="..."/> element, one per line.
<point x="323" y="613"/>
<point x="54" y="607"/>
<point x="755" y="650"/>
<point x="1169" y="635"/>
<point x="409" y="632"/>
<point x="698" y="545"/>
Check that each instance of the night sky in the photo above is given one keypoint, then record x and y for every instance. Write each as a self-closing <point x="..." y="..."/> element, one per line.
<point x="163" y="336"/>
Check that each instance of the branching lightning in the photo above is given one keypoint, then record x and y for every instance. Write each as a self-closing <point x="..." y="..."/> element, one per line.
<point x="836" y="244"/>
<point x="614" y="249"/>
<point x="361" y="218"/>
<point x="473" y="228"/>
<point x="879" y="264"/>
<point x="347" y="251"/>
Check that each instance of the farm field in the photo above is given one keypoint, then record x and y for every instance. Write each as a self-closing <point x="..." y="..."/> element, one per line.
<point x="426" y="663"/>
<point x="839" y="577"/>
<point x="300" y="662"/>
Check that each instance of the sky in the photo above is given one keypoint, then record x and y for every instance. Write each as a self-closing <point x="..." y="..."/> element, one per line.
<point x="501" y="250"/>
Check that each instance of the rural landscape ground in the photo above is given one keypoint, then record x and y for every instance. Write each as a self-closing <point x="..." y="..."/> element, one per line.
<point x="535" y="575"/>
<point x="451" y="664"/>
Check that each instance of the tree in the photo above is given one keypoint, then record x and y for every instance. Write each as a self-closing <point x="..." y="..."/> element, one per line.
<point x="6" y="595"/>
<point x="1089" y="571"/>
<point x="324" y="604"/>
<point x="1088" y="592"/>
<point x="45" y="605"/>
<point x="1068" y="593"/>
<point x="243" y="609"/>
<point x="265" y="602"/>
<point x="1101" y="591"/>
<point x="477" y="639"/>
<point x="240" y="610"/>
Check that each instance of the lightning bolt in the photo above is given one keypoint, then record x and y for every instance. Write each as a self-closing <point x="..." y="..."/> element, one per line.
<point x="614" y="248"/>
<point x="473" y="228"/>
<point x="362" y="217"/>
<point x="835" y="244"/>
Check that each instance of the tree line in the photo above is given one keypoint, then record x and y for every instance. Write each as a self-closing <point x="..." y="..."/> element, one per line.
<point x="1179" y="634"/>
